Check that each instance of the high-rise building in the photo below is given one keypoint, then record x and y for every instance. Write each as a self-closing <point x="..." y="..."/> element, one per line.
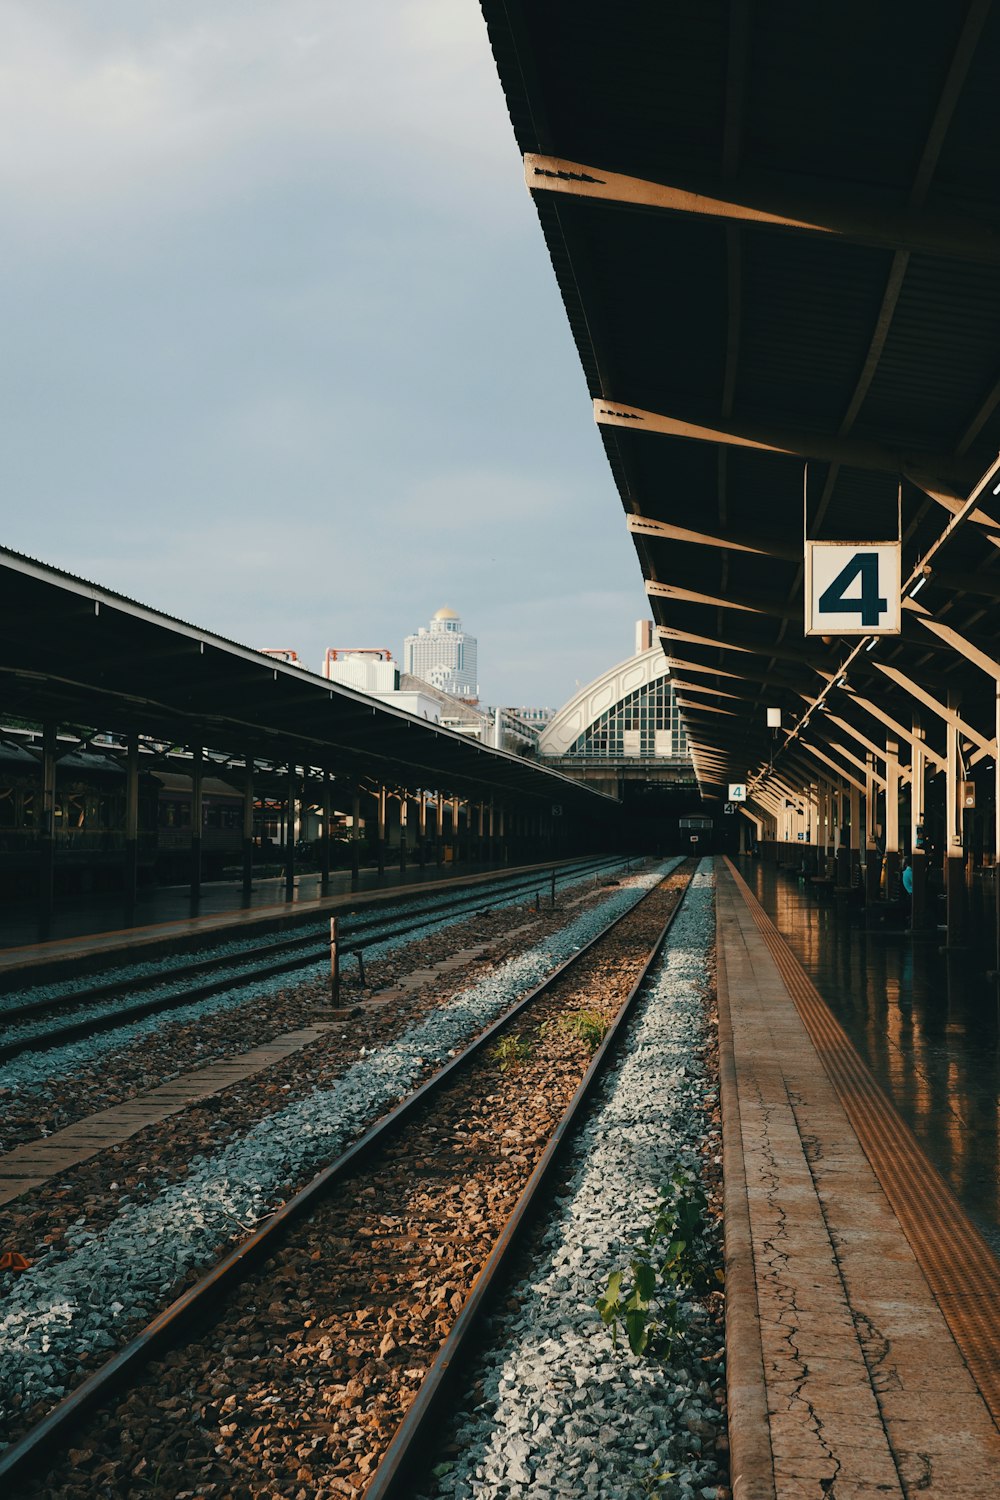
<point x="443" y="655"/>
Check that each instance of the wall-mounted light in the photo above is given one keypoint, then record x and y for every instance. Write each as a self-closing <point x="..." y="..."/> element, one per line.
<point x="918" y="585"/>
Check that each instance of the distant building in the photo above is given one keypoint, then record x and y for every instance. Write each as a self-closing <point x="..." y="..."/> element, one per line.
<point x="285" y="654"/>
<point x="443" y="655"/>
<point x="369" y="669"/>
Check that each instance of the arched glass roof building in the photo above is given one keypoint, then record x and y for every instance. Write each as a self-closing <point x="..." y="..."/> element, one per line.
<point x="628" y="714"/>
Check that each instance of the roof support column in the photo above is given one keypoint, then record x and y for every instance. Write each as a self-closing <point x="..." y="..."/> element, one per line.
<point x="918" y="805"/>
<point x="324" y="835"/>
<point x="197" y="820"/>
<point x="479" y="831"/>
<point x="355" y="838"/>
<point x="873" y="864"/>
<point x="849" y="853"/>
<point x="403" y="811"/>
<point x="438" y="829"/>
<point x="290" y="833"/>
<point x="248" y="801"/>
<point x="47" y="834"/>
<point x="380" y="801"/>
<point x="954" y="855"/>
<point x="891" y="816"/>
<point x="456" y="852"/>
<point x="131" y="870"/>
<point x="996" y="827"/>
<point x="422" y="830"/>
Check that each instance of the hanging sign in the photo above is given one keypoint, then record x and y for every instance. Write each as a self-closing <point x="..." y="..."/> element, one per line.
<point x="853" y="588"/>
<point x="737" y="791"/>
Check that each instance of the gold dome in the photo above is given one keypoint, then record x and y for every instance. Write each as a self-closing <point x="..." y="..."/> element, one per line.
<point x="445" y="614"/>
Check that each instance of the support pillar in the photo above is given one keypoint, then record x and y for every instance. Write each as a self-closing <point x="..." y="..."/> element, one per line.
<point x="456" y="852"/>
<point x="355" y="838"/>
<point x="248" y="801"/>
<point x="403" y="810"/>
<point x="954" y="861"/>
<point x="438" y="829"/>
<point x="47" y="832"/>
<point x="873" y="864"/>
<point x="918" y="808"/>
<point x="290" y="833"/>
<point x="130" y="880"/>
<point x="422" y="830"/>
<point x="197" y="820"/>
<point x="324" y="836"/>
<point x="380" y="798"/>
<point x="891" y="817"/>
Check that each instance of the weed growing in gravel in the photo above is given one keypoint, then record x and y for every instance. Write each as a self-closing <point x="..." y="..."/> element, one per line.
<point x="511" y="1051"/>
<point x="589" y="1025"/>
<point x="676" y="1254"/>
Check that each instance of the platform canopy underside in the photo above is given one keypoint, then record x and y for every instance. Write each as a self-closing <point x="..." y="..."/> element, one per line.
<point x="776" y="231"/>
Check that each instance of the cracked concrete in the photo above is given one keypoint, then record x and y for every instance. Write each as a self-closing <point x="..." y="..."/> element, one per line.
<point x="865" y="1390"/>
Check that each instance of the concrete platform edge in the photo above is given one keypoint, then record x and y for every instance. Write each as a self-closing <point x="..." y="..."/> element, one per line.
<point x="750" y="1457"/>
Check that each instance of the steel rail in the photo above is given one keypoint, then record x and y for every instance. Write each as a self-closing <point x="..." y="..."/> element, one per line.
<point x="396" y="1477"/>
<point x="34" y="1449"/>
<point x="90" y="1026"/>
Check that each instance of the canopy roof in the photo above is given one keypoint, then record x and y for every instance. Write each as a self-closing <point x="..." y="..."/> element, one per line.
<point x="75" y="653"/>
<point x="776" y="231"/>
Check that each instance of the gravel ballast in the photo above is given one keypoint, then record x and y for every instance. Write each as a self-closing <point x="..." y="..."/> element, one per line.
<point x="559" y="1410"/>
<point x="83" y="1297"/>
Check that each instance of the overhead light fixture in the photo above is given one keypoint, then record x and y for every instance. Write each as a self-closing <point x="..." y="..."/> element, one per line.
<point x="872" y="643"/>
<point x="916" y="587"/>
<point x="774" y="718"/>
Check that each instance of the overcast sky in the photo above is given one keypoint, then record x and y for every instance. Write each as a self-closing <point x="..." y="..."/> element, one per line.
<point x="282" y="352"/>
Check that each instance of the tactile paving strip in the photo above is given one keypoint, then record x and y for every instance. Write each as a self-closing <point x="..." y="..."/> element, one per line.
<point x="959" y="1265"/>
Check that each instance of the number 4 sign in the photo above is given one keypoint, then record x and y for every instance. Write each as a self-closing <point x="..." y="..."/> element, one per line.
<point x="852" y="588"/>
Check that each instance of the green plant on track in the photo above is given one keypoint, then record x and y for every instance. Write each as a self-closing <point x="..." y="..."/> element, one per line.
<point x="675" y="1254"/>
<point x="511" y="1051"/>
<point x="589" y="1025"/>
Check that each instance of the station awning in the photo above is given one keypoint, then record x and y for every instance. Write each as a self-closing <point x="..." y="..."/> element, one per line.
<point x="776" y="231"/>
<point x="74" y="653"/>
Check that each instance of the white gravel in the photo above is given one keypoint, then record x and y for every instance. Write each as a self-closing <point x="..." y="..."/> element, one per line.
<point x="84" y="1297"/>
<point x="564" y="1413"/>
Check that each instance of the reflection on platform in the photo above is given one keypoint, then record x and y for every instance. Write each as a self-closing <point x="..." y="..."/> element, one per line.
<point x="926" y="1022"/>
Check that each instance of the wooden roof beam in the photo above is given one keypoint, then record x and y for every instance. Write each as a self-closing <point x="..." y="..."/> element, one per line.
<point x="748" y="606"/>
<point x="854" y="452"/>
<point x="646" y="526"/>
<point x="754" y="200"/>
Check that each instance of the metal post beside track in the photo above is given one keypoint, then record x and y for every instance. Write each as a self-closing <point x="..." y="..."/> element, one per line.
<point x="334" y="963"/>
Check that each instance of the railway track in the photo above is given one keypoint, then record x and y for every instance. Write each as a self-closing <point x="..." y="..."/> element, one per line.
<point x="471" y="1138"/>
<point x="266" y="960"/>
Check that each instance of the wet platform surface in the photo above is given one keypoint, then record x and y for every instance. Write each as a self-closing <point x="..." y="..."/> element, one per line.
<point x="926" y="1023"/>
<point x="93" y="930"/>
<point x="862" y="1305"/>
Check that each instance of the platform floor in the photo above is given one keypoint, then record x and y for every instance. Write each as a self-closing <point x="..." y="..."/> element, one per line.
<point x="925" y="1021"/>
<point x="863" y="1318"/>
<point x="79" y="916"/>
<point x="166" y="920"/>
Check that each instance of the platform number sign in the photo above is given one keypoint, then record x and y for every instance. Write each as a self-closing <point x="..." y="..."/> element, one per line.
<point x="737" y="791"/>
<point x="852" y="588"/>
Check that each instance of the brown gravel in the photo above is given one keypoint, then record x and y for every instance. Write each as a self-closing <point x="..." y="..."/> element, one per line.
<point x="299" y="1386"/>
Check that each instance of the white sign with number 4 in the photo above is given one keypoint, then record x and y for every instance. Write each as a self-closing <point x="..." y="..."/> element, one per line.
<point x="852" y="588"/>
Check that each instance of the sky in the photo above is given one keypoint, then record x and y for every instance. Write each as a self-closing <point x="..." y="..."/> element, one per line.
<point x="282" y="351"/>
